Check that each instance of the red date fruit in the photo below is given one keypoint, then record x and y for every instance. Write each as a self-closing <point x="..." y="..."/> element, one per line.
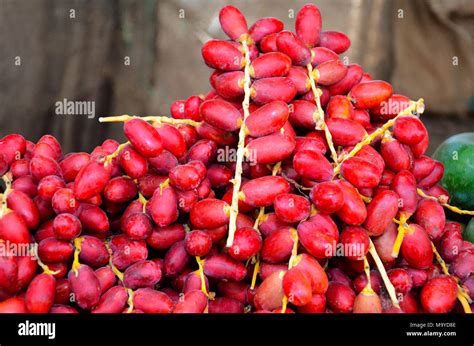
<point x="409" y="130"/>
<point x="340" y="298"/>
<point x="233" y="22"/>
<point x="308" y="24"/>
<point x="297" y="287"/>
<point x="268" y="43"/>
<point x="416" y="248"/>
<point x="430" y="215"/>
<point x="66" y="226"/>
<point x="355" y="242"/>
<point x="370" y="94"/>
<point x="273" y="64"/>
<point x="271" y="89"/>
<point x="327" y="197"/>
<point x="345" y="132"/>
<point x="334" y="40"/>
<point x="221" y="114"/>
<point x="93" y="219"/>
<point x="151" y="301"/>
<point x="222" y="55"/>
<point x="85" y="286"/>
<point x="353" y="76"/>
<point x="52" y="250"/>
<point x="40" y="294"/>
<point x="267" y="119"/>
<point x="264" y="27"/>
<point x="269" y="294"/>
<point x="291" y="208"/>
<point x="312" y="165"/>
<point x="191" y="303"/>
<point x="330" y="72"/>
<point x="141" y="274"/>
<point x="198" y="243"/>
<point x="367" y="303"/>
<point x="91" y="180"/>
<point x="93" y="252"/>
<point x="261" y="192"/>
<point x="271" y="149"/>
<point x="319" y="236"/>
<point x="380" y="212"/>
<point x="112" y="302"/>
<point x="353" y="212"/>
<point x="164" y="237"/>
<point x="289" y="44"/>
<point x="360" y="173"/>
<point x="247" y="243"/>
<point x="163" y="206"/>
<point x="144" y="137"/>
<point x="439" y="295"/>
<point x="223" y="267"/>
<point x="404" y="185"/>
<point x="173" y="141"/>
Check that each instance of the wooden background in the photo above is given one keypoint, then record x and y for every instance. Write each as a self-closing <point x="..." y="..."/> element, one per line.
<point x="76" y="49"/>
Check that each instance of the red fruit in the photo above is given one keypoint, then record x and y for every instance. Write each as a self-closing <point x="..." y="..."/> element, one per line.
<point x="362" y="117"/>
<point x="277" y="246"/>
<point x="163" y="206"/>
<point x="330" y="72"/>
<point x="451" y="242"/>
<point x="191" y="303"/>
<point x="339" y="107"/>
<point x="312" y="165"/>
<point x="289" y="44"/>
<point x="322" y="54"/>
<point x="272" y="89"/>
<point x="261" y="192"/>
<point x="380" y="212"/>
<point x="353" y="212"/>
<point x="353" y="76"/>
<point x="299" y="76"/>
<point x="273" y="64"/>
<point x="263" y="27"/>
<point x="42" y="166"/>
<point x="223" y="267"/>
<point x="40" y="294"/>
<point x="137" y="226"/>
<point x="404" y="185"/>
<point x="52" y="250"/>
<point x="308" y="24"/>
<point x="48" y="186"/>
<point x="64" y="201"/>
<point x="72" y="164"/>
<point x="463" y="264"/>
<point x="420" y="148"/>
<point x="367" y="302"/>
<point x="340" y="298"/>
<point x="355" y="242"/>
<point x="198" y="243"/>
<point x="313" y="270"/>
<point x="24" y="206"/>
<point x="120" y="190"/>
<point x="390" y="108"/>
<point x="334" y="40"/>
<point x="222" y="55"/>
<point x="297" y="287"/>
<point x="225" y="305"/>
<point x="270" y="149"/>
<point x="401" y="280"/>
<point x="93" y="252"/>
<point x="439" y="295"/>
<point x="112" y="302"/>
<point x="233" y="23"/>
<point x="416" y="248"/>
<point x="396" y="155"/>
<point x="267" y="119"/>
<point x="360" y="173"/>
<point x="175" y="260"/>
<point x="230" y="85"/>
<point x="13" y="147"/>
<point x="144" y="137"/>
<point x="315" y="306"/>
<point x="291" y="208"/>
<point x="221" y="114"/>
<point x="319" y="236"/>
<point x="430" y="215"/>
<point x="327" y="197"/>
<point x="345" y="132"/>
<point x="152" y="302"/>
<point x="269" y="294"/>
<point x="177" y="109"/>
<point x="301" y="114"/>
<point x="269" y="44"/>
<point x="210" y="213"/>
<point x="164" y="237"/>
<point x="90" y="180"/>
<point x="432" y="178"/>
<point x="172" y="140"/>
<point x="133" y="164"/>
<point x="370" y="94"/>
<point x="219" y="175"/>
<point x="20" y="168"/>
<point x="93" y="219"/>
<point x="360" y="282"/>
<point x="129" y="252"/>
<point x="247" y="243"/>
<point x="185" y="177"/>
<point x="203" y="150"/>
<point x="85" y="286"/>
<point x="67" y="226"/>
<point x="409" y="130"/>
<point x="141" y="274"/>
<point x="191" y="107"/>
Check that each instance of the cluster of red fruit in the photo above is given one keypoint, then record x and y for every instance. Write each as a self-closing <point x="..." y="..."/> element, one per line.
<point x="275" y="192"/>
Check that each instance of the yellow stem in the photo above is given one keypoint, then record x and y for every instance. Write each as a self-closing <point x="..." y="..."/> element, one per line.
<point x="383" y="273"/>
<point x="234" y="208"/>
<point x="7" y="179"/>
<point x="117" y="272"/>
<point x="444" y="204"/>
<point x="417" y="106"/>
<point x="43" y="266"/>
<point x="130" y="294"/>
<point x="77" y="250"/>
<point x="367" y="273"/>
<point x="403" y="228"/>
<point x="158" y="119"/>
<point x="256" y="269"/>
<point x="200" y="263"/>
<point x="294" y="255"/>
<point x="318" y="116"/>
<point x="143" y="201"/>
<point x="109" y="158"/>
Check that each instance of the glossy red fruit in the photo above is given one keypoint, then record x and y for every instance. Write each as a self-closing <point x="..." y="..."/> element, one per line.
<point x="261" y="192"/>
<point x="120" y="190"/>
<point x="367" y="303"/>
<point x="313" y="270"/>
<point x="112" y="302"/>
<point x="42" y="166"/>
<point x="93" y="252"/>
<point x="416" y="248"/>
<point x="355" y="242"/>
<point x="52" y="250"/>
<point x="312" y="165"/>
<point x="301" y="114"/>
<point x="291" y="208"/>
<point x="430" y="215"/>
<point x="221" y="114"/>
<point x="308" y="24"/>
<point x="327" y="197"/>
<point x="222" y="55"/>
<point x="247" y="243"/>
<point x="91" y="180"/>
<point x="370" y="94"/>
<point x="439" y="295"/>
<point x="299" y="76"/>
<point x="330" y="72"/>
<point x="172" y="140"/>
<point x="192" y="302"/>
<point x="93" y="219"/>
<point x="177" y="109"/>
<point x="267" y="119"/>
<point x="340" y="298"/>
<point x="463" y="264"/>
<point x="129" y="252"/>
<point x="164" y="237"/>
<point x="151" y="301"/>
<point x="322" y="54"/>
<point x="297" y="287"/>
<point x="409" y="130"/>
<point x="233" y="22"/>
<point x="67" y="226"/>
<point x="223" y="267"/>
<point x="273" y="64"/>
<point x="137" y="226"/>
<point x="353" y="76"/>
<point x="13" y="147"/>
<point x="353" y="212"/>
<point x="144" y="137"/>
<point x="20" y="168"/>
<point x="163" y="206"/>
<point x="451" y="242"/>
<point x="345" y="132"/>
<point x="380" y="212"/>
<point x="24" y="206"/>
<point x="198" y="243"/>
<point x="191" y="107"/>
<point x="397" y="156"/>
<point x="339" y="107"/>
<point x="268" y="43"/>
<point x="432" y="178"/>
<point x="404" y="185"/>
<point x="64" y="201"/>
<point x="269" y="294"/>
<point x="277" y="246"/>
<point x="390" y="108"/>
<point x="315" y="306"/>
<point x="270" y="149"/>
<point x="40" y="294"/>
<point x="85" y="286"/>
<point x="264" y="27"/>
<point x="319" y="236"/>
<point x="203" y="150"/>
<point x="401" y="280"/>
<point x="48" y="186"/>
<point x="271" y="89"/>
<point x="334" y="40"/>
<point x="420" y="148"/>
<point x="360" y="173"/>
<point x="289" y="44"/>
<point x="141" y="274"/>
<point x="185" y="177"/>
<point x="210" y="213"/>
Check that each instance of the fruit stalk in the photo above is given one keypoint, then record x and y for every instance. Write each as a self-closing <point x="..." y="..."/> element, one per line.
<point x="158" y="119"/>
<point x="441" y="201"/>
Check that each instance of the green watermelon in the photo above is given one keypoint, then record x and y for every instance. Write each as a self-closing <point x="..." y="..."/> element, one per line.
<point x="468" y="233"/>
<point x="457" y="155"/>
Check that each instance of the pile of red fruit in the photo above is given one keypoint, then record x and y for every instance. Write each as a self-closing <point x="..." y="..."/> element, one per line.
<point x="297" y="184"/>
